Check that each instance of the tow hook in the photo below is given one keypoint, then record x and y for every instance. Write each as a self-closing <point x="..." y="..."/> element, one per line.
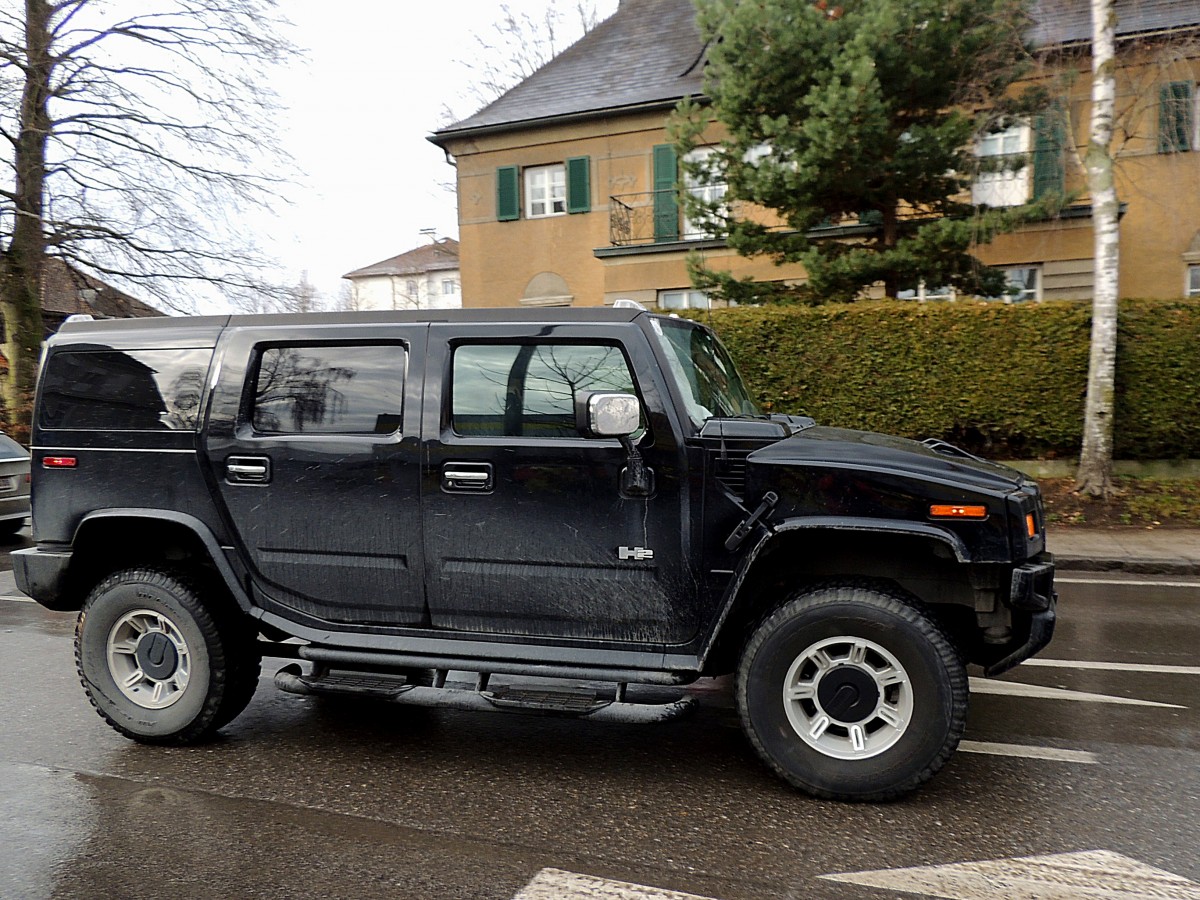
<point x="747" y="525"/>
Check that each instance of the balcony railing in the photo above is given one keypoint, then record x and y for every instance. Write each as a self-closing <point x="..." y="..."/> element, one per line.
<point x="650" y="217"/>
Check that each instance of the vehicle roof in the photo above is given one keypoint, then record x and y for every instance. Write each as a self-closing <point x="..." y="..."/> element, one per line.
<point x="211" y="324"/>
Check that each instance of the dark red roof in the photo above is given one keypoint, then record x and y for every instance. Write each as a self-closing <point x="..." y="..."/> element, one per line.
<point x="66" y="291"/>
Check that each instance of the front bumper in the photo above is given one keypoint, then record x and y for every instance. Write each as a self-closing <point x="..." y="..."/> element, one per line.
<point x="42" y="574"/>
<point x="1032" y="592"/>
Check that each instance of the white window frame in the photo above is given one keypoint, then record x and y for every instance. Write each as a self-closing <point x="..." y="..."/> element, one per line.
<point x="449" y="287"/>
<point x="546" y="191"/>
<point x="707" y="191"/>
<point x="1191" y="285"/>
<point x="683" y="299"/>
<point x="1024" y="294"/>
<point x="1007" y="188"/>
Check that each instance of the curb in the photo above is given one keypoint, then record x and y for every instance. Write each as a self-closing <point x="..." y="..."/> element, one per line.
<point x="1144" y="566"/>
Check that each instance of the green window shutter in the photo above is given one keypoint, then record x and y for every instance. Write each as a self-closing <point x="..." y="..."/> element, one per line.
<point x="508" y="194"/>
<point x="1175" y="117"/>
<point x="666" y="204"/>
<point x="579" y="184"/>
<point x="1049" y="141"/>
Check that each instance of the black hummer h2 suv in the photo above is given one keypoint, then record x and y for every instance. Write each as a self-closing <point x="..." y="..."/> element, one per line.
<point x="568" y="505"/>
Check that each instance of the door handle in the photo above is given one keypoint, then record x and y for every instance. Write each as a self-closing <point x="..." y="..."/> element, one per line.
<point x="467" y="478"/>
<point x="248" y="470"/>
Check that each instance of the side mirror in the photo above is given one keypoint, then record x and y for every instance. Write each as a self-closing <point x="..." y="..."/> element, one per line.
<point x="610" y="414"/>
<point x="607" y="414"/>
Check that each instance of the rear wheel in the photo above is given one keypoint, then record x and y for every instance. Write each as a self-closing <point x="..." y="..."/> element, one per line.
<point x="850" y="692"/>
<point x="157" y="663"/>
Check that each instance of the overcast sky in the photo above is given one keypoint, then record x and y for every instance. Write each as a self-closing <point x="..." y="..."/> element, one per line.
<point x="377" y="77"/>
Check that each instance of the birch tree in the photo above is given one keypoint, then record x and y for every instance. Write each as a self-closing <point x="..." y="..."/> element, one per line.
<point x="1095" y="462"/>
<point x="137" y="132"/>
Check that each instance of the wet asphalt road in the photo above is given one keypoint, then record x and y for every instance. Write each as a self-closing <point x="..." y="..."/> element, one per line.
<point x="314" y="798"/>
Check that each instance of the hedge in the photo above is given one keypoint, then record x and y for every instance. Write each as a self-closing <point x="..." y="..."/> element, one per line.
<point x="1003" y="380"/>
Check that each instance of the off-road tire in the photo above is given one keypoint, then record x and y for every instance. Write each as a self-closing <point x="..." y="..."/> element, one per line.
<point x="219" y="660"/>
<point x="884" y="624"/>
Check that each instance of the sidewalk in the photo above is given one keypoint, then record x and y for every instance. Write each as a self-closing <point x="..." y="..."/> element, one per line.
<point x="1165" y="551"/>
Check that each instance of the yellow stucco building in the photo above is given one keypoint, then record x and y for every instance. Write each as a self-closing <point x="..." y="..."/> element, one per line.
<point x="568" y="184"/>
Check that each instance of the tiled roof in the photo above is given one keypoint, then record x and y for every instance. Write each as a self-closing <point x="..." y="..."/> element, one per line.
<point x="649" y="51"/>
<point x="67" y="291"/>
<point x="1070" y="21"/>
<point x="439" y="256"/>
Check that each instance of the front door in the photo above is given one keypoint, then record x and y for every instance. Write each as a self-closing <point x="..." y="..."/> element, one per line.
<point x="526" y="528"/>
<point x="316" y="457"/>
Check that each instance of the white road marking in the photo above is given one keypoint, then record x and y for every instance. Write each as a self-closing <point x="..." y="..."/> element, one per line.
<point x="1058" y="579"/>
<point x="1038" y="692"/>
<point x="1054" y="754"/>
<point x="1093" y="874"/>
<point x="555" y="884"/>
<point x="19" y="598"/>
<point x="1147" y="668"/>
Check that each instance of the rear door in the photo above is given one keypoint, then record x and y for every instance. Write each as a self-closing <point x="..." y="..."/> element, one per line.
<point x="526" y="528"/>
<point x="313" y="446"/>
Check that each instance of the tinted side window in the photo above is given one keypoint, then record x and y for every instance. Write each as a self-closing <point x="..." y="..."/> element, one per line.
<point x="514" y="390"/>
<point x="334" y="389"/>
<point x="131" y="390"/>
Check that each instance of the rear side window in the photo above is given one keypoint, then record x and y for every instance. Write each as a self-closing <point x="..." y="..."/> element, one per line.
<point x="529" y="390"/>
<point x="123" y="390"/>
<point x="333" y="389"/>
<point x="10" y="449"/>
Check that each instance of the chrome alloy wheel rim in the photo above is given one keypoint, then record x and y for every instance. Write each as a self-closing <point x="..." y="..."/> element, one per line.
<point x="848" y="698"/>
<point x="148" y="659"/>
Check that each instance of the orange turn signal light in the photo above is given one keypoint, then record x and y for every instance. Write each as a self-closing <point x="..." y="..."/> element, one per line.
<point x="1031" y="525"/>
<point x="948" y="511"/>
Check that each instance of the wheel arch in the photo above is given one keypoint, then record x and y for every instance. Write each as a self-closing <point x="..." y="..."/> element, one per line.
<point x="894" y="555"/>
<point x="112" y="539"/>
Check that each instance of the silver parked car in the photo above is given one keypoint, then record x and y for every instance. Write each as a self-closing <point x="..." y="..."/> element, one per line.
<point x="14" y="486"/>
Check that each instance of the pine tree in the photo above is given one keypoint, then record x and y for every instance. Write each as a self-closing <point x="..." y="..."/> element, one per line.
<point x="864" y="113"/>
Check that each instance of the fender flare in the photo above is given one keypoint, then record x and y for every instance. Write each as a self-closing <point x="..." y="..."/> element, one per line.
<point x="821" y="523"/>
<point x="192" y="524"/>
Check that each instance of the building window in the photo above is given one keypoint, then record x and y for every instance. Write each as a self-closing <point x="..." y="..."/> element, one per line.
<point x="1024" y="283"/>
<point x="1008" y="186"/>
<point x="546" y="191"/>
<point x="683" y="300"/>
<point x="1193" y="284"/>
<point x="1176" y="117"/>
<point x="410" y="288"/>
<point x="704" y="185"/>
<point x="923" y="292"/>
<point x="449" y="286"/>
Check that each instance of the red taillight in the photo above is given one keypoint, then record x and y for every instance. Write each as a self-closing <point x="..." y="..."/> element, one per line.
<point x="1031" y="525"/>
<point x="953" y="511"/>
<point x="58" y="462"/>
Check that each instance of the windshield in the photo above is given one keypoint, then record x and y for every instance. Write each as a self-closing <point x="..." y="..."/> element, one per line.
<point x="704" y="371"/>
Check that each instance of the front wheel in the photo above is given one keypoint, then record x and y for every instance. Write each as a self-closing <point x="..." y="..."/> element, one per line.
<point x="158" y="664"/>
<point x="850" y="692"/>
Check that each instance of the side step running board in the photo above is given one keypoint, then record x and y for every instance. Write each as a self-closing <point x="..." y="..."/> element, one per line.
<point x="539" y="701"/>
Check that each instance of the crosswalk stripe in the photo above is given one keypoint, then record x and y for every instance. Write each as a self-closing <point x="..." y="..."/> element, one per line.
<point x="557" y="884"/>
<point x="1038" y="692"/>
<point x="1054" y="754"/>
<point x="1095" y="665"/>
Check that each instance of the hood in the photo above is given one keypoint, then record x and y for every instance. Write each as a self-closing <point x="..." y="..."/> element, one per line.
<point x="842" y="448"/>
